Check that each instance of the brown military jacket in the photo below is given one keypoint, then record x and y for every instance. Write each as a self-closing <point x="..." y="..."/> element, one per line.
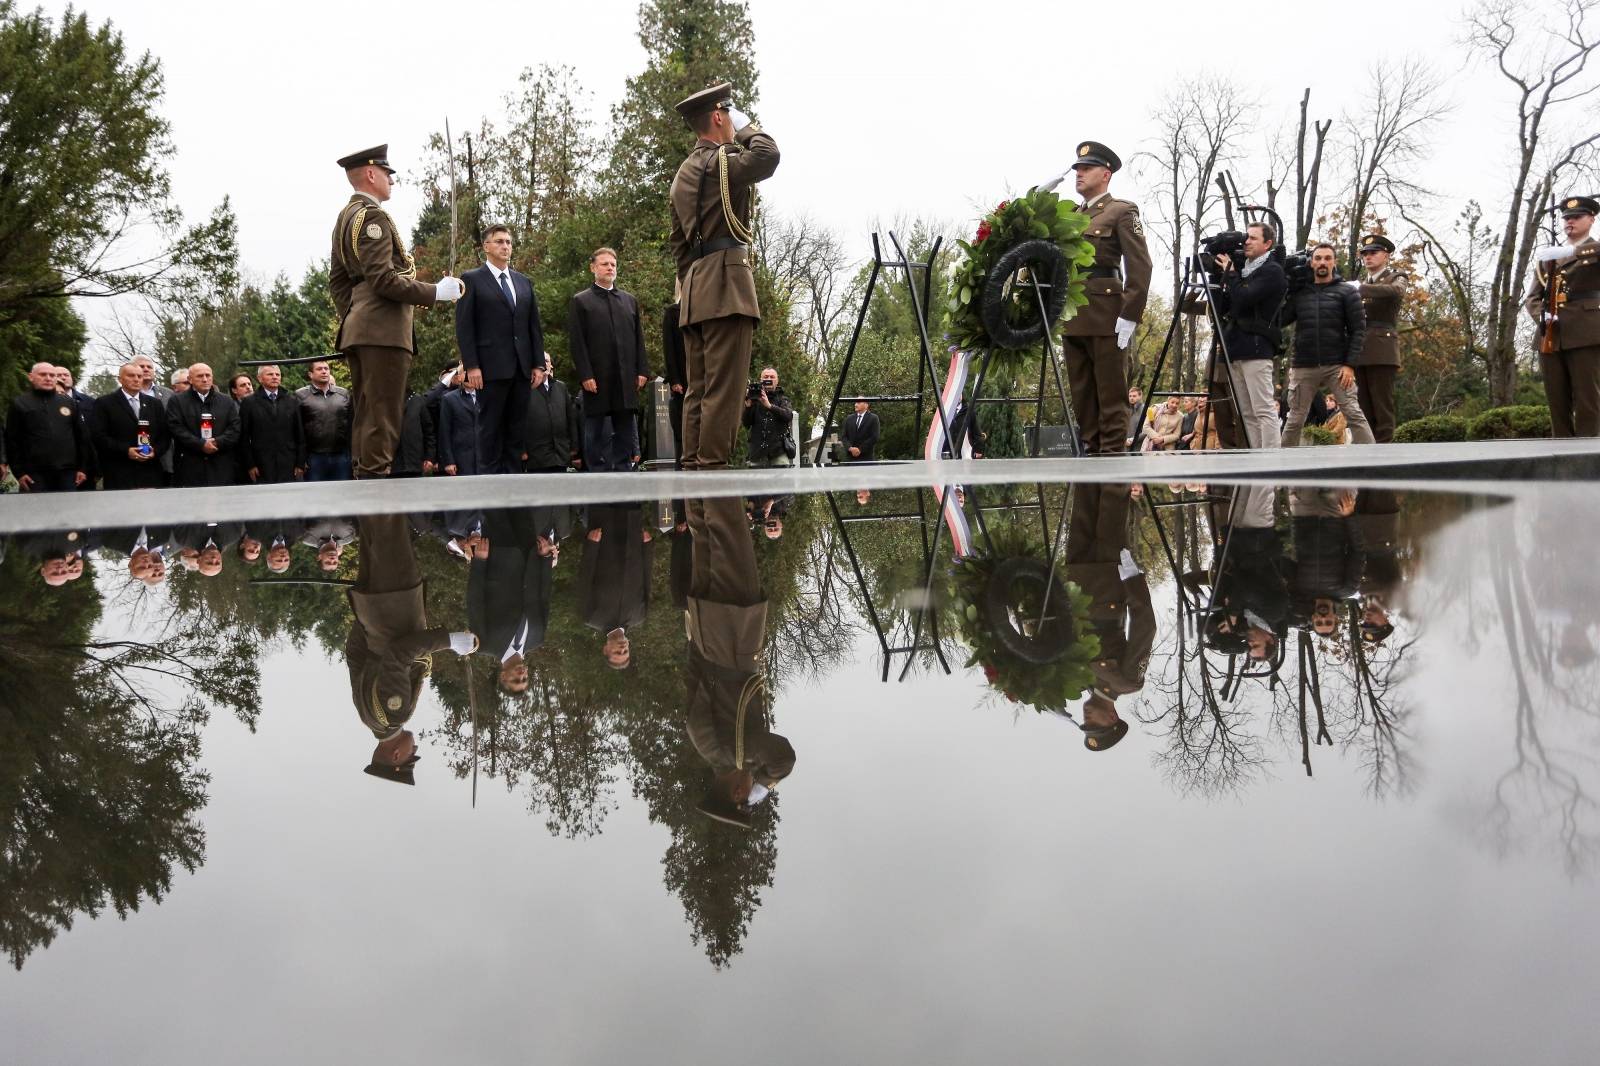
<point x="1118" y="238"/>
<point x="1579" y="325"/>
<point x="373" y="278"/>
<point x="388" y="654"/>
<point x="719" y="283"/>
<point x="1380" y="301"/>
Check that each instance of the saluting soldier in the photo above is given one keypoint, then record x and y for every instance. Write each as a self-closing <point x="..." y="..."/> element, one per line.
<point x="374" y="284"/>
<point x="713" y="200"/>
<point x="1382" y="290"/>
<point x="1572" y="371"/>
<point x="1097" y="338"/>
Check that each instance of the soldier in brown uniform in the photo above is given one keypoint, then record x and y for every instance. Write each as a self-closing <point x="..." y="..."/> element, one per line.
<point x="374" y="285"/>
<point x="1120" y="610"/>
<point x="1381" y="293"/>
<point x="1572" y="371"/>
<point x="1096" y="340"/>
<point x="390" y="648"/>
<point x="713" y="195"/>
<point x="725" y="615"/>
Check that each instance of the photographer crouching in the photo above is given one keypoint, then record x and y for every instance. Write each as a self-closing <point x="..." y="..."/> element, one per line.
<point x="767" y="415"/>
<point x="1251" y="295"/>
<point x="1329" y="328"/>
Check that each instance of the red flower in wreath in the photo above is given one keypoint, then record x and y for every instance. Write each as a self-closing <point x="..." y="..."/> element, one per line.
<point x="990" y="673"/>
<point x="983" y="231"/>
<point x="1002" y="206"/>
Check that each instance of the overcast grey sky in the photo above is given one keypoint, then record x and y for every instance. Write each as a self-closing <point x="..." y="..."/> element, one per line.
<point x="881" y="110"/>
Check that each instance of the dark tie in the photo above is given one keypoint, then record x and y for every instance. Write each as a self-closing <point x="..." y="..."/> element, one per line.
<point x="505" y="290"/>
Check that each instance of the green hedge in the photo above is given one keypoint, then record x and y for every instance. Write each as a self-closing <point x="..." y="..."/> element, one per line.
<point x="1320" y="435"/>
<point x="1434" y="429"/>
<point x="1511" y="423"/>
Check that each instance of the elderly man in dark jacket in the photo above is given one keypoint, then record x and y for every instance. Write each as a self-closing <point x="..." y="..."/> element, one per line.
<point x="46" y="443"/>
<point x="459" y="434"/>
<point x="205" y="427"/>
<point x="275" y="438"/>
<point x="418" y="450"/>
<point x="552" y="425"/>
<point x="614" y="577"/>
<point x="130" y="432"/>
<point x="1329" y="329"/>
<point x="606" y="336"/>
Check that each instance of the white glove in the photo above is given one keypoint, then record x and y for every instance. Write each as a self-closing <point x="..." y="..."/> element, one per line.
<point x="1125" y="332"/>
<point x="1554" y="251"/>
<point x="463" y="643"/>
<point x="1353" y="286"/>
<point x="740" y="119"/>
<point x="448" y="289"/>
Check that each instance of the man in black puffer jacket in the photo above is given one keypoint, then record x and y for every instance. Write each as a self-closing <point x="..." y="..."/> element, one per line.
<point x="1329" y="328"/>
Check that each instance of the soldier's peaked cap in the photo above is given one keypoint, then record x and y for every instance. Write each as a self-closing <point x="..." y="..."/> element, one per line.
<point x="1574" y="206"/>
<point x="367" y="157"/>
<point x="404" y="774"/>
<point x="707" y="99"/>
<point x="1096" y="154"/>
<point x="1377" y="242"/>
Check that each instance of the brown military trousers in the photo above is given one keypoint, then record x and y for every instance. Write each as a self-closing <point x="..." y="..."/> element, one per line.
<point x="1375" y="394"/>
<point x="1572" y="388"/>
<point x="716" y="359"/>
<point x="1097" y="378"/>
<point x="378" y="402"/>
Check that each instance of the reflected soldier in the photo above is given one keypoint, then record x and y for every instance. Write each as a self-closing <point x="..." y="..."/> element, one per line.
<point x="725" y="614"/>
<point x="713" y="202"/>
<point x="1099" y="562"/>
<point x="374" y="285"/>
<point x="1381" y="292"/>
<point x="1571" y="367"/>
<point x="390" y="648"/>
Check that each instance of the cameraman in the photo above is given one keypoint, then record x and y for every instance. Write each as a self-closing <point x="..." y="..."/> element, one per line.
<point x="1330" y="328"/>
<point x="1252" y="293"/>
<point x="767" y="414"/>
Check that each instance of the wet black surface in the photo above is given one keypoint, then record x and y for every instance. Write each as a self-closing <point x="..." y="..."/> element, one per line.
<point x="1257" y="775"/>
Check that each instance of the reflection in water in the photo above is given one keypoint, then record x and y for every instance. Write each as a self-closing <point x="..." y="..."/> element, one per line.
<point x="1216" y="633"/>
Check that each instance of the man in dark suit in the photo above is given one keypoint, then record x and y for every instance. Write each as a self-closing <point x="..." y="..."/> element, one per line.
<point x="275" y="449"/>
<point x="677" y="374"/>
<point x="861" y="434"/>
<point x="552" y="425"/>
<point x="120" y="416"/>
<point x="508" y="588"/>
<point x="460" y="433"/>
<point x="607" y="340"/>
<point x="501" y="340"/>
<point x="205" y="430"/>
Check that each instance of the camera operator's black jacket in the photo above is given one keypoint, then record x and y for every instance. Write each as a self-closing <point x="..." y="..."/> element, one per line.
<point x="1329" y="325"/>
<point x="767" y="427"/>
<point x="1250" y="308"/>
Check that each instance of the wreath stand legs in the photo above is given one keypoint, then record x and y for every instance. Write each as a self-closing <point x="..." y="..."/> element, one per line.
<point x="927" y="375"/>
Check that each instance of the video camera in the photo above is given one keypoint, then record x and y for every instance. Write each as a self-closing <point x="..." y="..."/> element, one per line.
<point x="1229" y="243"/>
<point x="753" y="391"/>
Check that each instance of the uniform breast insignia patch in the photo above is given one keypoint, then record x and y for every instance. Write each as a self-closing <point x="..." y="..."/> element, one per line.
<point x="66" y="412"/>
<point x="374" y="231"/>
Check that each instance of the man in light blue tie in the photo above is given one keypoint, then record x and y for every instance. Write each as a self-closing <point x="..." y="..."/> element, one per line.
<point x="501" y="340"/>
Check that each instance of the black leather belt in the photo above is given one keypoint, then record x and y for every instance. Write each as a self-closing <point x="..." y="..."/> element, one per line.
<point x="718" y="244"/>
<point x="1104" y="272"/>
<point x="1586" y="294"/>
